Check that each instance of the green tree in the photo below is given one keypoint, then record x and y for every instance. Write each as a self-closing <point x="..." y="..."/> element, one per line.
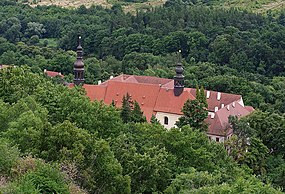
<point x="34" y="28"/>
<point x="11" y="29"/>
<point x="276" y="170"/>
<point x="194" y="114"/>
<point x="127" y="106"/>
<point x="198" y="93"/>
<point x="240" y="142"/>
<point x="154" y="120"/>
<point x="203" y="98"/>
<point x="269" y="127"/>
<point x="137" y="114"/>
<point x="9" y="155"/>
<point x="42" y="178"/>
<point x="192" y="180"/>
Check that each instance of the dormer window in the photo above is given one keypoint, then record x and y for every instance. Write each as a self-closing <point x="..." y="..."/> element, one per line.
<point x="166" y="120"/>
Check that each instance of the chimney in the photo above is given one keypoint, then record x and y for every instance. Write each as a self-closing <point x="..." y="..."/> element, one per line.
<point x="178" y="78"/>
<point x="111" y="77"/>
<point x="99" y="82"/>
<point x="234" y="104"/>
<point x="45" y="70"/>
<point x="222" y="105"/>
<point x="228" y="107"/>
<point x="208" y="94"/>
<point x="212" y="115"/>
<point x="216" y="109"/>
<point x="219" y="96"/>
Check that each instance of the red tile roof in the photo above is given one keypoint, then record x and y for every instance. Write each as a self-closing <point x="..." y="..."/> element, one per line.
<point x="53" y="73"/>
<point x="219" y="125"/>
<point x="144" y="80"/>
<point x="169" y="103"/>
<point x="152" y="80"/>
<point x="95" y="92"/>
<point x="249" y="108"/>
<point x="156" y="95"/>
<point x="144" y="94"/>
<point x="213" y="102"/>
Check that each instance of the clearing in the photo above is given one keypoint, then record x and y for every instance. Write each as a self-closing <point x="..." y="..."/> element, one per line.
<point x="258" y="6"/>
<point x="128" y="7"/>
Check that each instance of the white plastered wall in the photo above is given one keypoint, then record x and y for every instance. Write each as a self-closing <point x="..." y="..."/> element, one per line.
<point x="213" y="137"/>
<point x="172" y="118"/>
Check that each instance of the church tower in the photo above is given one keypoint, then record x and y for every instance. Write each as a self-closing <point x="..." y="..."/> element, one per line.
<point x="178" y="78"/>
<point x="78" y="68"/>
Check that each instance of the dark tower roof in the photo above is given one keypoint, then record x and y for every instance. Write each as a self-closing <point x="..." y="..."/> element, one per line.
<point x="79" y="65"/>
<point x="79" y="61"/>
<point x="178" y="78"/>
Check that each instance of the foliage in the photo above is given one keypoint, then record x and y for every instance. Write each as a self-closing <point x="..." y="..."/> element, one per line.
<point x="8" y="156"/>
<point x="270" y="129"/>
<point x="137" y="114"/>
<point x="194" y="114"/>
<point x="245" y="148"/>
<point x="154" y="120"/>
<point x="45" y="178"/>
<point x="127" y="106"/>
<point x="226" y="50"/>
<point x="131" y="111"/>
<point x="192" y="180"/>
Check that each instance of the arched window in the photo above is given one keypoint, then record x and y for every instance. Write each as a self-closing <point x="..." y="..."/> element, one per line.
<point x="166" y="120"/>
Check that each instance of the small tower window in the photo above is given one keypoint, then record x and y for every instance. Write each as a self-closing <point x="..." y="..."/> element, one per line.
<point x="166" y="120"/>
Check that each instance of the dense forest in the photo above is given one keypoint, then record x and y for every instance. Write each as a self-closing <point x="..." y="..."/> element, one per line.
<point x="54" y="140"/>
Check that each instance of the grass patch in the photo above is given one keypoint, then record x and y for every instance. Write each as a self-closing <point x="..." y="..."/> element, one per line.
<point x="258" y="6"/>
<point x="50" y="42"/>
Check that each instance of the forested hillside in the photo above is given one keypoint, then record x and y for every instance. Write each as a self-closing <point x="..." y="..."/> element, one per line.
<point x="60" y="142"/>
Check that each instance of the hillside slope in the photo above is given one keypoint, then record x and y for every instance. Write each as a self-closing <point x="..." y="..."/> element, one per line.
<point x="128" y="6"/>
<point x="260" y="6"/>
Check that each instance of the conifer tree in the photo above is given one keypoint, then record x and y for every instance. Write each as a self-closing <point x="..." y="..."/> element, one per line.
<point x="137" y="114"/>
<point x="197" y="93"/>
<point x="203" y="98"/>
<point x="194" y="114"/>
<point x="154" y="120"/>
<point x="126" y="108"/>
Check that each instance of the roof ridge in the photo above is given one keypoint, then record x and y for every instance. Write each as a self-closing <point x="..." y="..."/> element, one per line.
<point x="149" y="84"/>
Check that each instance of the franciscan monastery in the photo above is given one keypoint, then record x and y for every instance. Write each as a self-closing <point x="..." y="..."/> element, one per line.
<point x="163" y="98"/>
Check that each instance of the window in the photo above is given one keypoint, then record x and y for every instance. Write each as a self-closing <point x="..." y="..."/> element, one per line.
<point x="217" y="139"/>
<point x="166" y="120"/>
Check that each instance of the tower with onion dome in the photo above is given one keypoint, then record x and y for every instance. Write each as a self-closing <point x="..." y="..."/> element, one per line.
<point x="178" y="78"/>
<point x="79" y="65"/>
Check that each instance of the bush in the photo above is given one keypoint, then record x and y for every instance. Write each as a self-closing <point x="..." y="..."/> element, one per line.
<point x="45" y="178"/>
<point x="8" y="156"/>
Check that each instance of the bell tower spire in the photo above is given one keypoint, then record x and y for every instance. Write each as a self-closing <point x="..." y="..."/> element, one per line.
<point x="178" y="78"/>
<point x="78" y="67"/>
